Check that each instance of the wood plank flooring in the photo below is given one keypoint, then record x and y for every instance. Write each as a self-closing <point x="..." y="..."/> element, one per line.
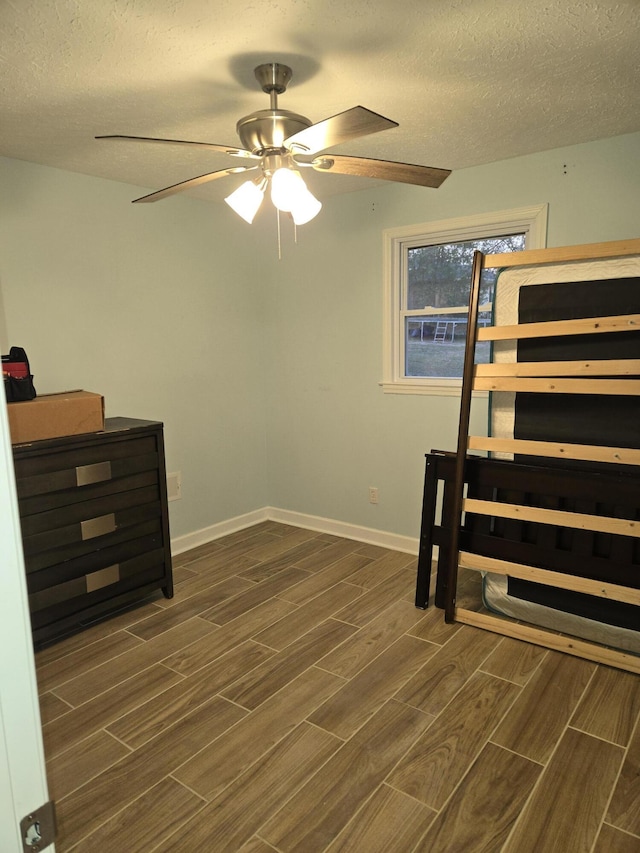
<point x="291" y="698"/>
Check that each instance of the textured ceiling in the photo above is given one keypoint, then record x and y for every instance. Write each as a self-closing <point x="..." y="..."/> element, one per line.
<point x="469" y="81"/>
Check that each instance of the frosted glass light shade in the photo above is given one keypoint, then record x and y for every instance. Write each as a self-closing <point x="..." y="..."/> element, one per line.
<point x="289" y="194"/>
<point x="306" y="207"/>
<point x="286" y="186"/>
<point x="246" y="200"/>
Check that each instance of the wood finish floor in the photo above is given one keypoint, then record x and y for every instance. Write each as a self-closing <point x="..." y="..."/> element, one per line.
<point x="291" y="698"/>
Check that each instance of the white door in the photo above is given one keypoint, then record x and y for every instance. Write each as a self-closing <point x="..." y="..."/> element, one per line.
<point x="23" y="782"/>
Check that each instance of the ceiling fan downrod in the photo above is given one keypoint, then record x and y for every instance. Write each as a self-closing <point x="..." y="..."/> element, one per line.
<point x="265" y="131"/>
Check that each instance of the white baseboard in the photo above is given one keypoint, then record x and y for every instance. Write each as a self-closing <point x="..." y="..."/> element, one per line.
<point x="350" y="531"/>
<point x="369" y="535"/>
<point x="216" y="531"/>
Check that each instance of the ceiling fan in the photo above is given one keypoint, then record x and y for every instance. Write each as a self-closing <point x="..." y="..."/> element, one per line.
<point x="277" y="143"/>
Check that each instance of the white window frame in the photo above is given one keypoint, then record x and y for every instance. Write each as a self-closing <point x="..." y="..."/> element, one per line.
<point x="530" y="221"/>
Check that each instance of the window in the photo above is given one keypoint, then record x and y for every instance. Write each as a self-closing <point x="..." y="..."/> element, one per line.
<point x="438" y="277"/>
<point x="427" y="281"/>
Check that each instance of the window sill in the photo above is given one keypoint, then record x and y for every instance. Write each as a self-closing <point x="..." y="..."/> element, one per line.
<point x="448" y="389"/>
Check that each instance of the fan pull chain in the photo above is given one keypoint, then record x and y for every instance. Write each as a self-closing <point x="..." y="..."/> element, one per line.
<point x="279" y="240"/>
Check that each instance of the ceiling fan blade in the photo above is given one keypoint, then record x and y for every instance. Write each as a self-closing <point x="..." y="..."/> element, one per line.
<point x="193" y="182"/>
<point x="224" y="149"/>
<point x="358" y="121"/>
<point x="382" y="170"/>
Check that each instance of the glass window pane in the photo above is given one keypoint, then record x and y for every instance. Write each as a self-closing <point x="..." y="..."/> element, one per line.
<point x="439" y="277"/>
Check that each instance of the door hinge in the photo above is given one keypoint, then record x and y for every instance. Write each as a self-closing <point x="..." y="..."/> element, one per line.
<point x="38" y="828"/>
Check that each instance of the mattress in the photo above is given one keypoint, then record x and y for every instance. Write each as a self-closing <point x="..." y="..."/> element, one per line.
<point x="506" y="312"/>
<point x="576" y="418"/>
<point x="495" y="596"/>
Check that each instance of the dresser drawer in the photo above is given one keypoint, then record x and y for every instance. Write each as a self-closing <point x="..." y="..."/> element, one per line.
<point x="84" y="552"/>
<point x="37" y="504"/>
<point x="84" y="608"/>
<point x="49" y="472"/>
<point x="92" y="580"/>
<point x="86" y="564"/>
<point x="96" y="532"/>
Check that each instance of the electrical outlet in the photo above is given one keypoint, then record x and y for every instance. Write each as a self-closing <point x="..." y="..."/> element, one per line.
<point x="373" y="495"/>
<point x="174" y="486"/>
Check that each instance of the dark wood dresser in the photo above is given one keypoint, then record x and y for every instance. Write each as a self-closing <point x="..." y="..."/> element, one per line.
<point x="95" y="523"/>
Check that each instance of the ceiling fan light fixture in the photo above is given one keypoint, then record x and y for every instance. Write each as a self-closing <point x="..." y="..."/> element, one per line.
<point x="306" y="207"/>
<point x="246" y="200"/>
<point x="287" y="187"/>
<point x="289" y="194"/>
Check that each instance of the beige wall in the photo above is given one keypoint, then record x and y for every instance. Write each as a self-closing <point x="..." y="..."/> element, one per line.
<point x="264" y="372"/>
<point x="156" y="307"/>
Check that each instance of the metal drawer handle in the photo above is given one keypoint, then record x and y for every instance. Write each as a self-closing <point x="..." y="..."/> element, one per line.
<point x="103" y="577"/>
<point x="93" y="527"/>
<point x="96" y="473"/>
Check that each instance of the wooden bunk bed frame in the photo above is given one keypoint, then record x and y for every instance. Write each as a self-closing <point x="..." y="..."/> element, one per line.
<point x="472" y="482"/>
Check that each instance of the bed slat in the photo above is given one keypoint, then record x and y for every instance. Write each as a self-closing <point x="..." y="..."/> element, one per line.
<point x="574" y="520"/>
<point x="555" y="328"/>
<point x="558" y="642"/>
<point x="614" y="592"/>
<point x="615" y="387"/>
<point x="582" y="452"/>
<point x="562" y="254"/>
<point x="602" y="367"/>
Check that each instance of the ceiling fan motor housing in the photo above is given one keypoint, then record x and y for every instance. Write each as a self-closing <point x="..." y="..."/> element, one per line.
<point x="266" y="130"/>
